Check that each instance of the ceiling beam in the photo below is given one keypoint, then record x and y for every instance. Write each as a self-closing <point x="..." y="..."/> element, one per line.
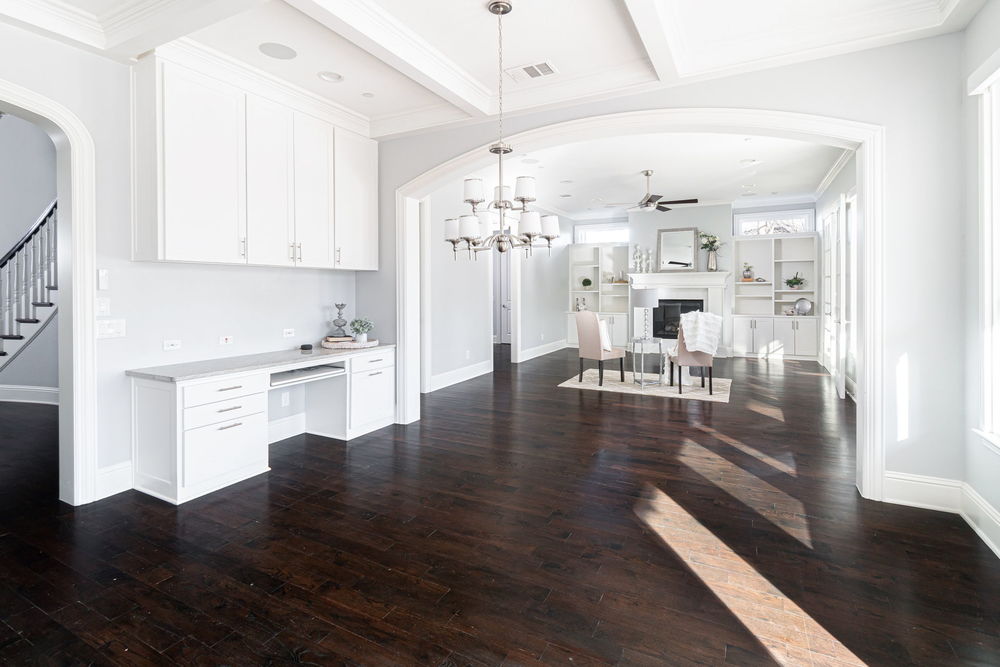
<point x="134" y="28"/>
<point x="648" y="21"/>
<point x="370" y="27"/>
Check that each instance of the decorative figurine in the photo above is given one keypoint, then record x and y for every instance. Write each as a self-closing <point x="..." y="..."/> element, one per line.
<point x="340" y="322"/>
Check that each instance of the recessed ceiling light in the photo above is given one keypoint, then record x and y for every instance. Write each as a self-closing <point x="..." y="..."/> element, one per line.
<point x="566" y="182"/>
<point x="565" y="196"/>
<point x="749" y="162"/>
<point x="279" y="51"/>
<point x="367" y="94"/>
<point x="748" y="139"/>
<point x="530" y="160"/>
<point x="748" y="186"/>
<point x="749" y="194"/>
<point x="332" y="77"/>
<point x="774" y="193"/>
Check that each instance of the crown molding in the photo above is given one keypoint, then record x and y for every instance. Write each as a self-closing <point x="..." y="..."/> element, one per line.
<point x="208" y="61"/>
<point x="833" y="172"/>
<point x="57" y="18"/>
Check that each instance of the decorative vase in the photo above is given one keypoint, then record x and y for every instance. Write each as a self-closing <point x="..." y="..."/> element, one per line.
<point x="748" y="273"/>
<point x="713" y="260"/>
<point x="361" y="338"/>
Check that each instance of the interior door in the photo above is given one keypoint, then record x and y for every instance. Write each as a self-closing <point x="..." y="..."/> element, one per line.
<point x="840" y="289"/>
<point x="851" y="294"/>
<point x="270" y="212"/>
<point x="204" y="168"/>
<point x="503" y="278"/>
<point x="313" y="145"/>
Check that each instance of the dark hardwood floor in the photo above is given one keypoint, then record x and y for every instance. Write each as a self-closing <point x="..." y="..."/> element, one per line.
<point x="517" y="523"/>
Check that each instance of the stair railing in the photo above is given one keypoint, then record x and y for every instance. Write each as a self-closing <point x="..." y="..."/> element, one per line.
<point x="28" y="276"/>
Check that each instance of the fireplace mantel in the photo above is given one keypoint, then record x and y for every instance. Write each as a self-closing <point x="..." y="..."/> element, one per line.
<point x="687" y="279"/>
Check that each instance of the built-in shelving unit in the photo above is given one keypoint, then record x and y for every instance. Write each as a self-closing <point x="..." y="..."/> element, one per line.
<point x="606" y="266"/>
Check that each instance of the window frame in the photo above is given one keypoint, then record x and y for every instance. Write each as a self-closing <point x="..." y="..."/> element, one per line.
<point x="739" y="218"/>
<point x="602" y="226"/>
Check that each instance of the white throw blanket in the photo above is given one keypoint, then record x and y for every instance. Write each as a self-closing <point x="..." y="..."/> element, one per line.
<point x="702" y="331"/>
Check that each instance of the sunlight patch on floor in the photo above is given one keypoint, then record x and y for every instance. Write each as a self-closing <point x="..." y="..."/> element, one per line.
<point x="790" y="635"/>
<point x="777" y="464"/>
<point x="770" y="502"/>
<point x="771" y="411"/>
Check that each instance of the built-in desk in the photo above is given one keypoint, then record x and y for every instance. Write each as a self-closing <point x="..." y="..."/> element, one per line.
<point x="201" y="426"/>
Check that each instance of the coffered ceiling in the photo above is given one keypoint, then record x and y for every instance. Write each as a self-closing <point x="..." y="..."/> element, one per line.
<point x="432" y="62"/>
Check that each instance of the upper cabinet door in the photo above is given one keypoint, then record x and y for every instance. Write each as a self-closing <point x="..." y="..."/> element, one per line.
<point x="270" y="209"/>
<point x="314" y="193"/>
<point x="204" y="168"/>
<point x="356" y="218"/>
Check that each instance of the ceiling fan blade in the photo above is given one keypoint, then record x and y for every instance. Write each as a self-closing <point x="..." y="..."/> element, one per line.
<point x="681" y="201"/>
<point x="652" y="199"/>
<point x="661" y="207"/>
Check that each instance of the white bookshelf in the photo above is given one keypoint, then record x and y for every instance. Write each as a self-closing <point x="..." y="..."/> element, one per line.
<point x="604" y="265"/>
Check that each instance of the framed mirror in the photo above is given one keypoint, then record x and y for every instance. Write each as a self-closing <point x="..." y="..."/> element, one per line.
<point x="677" y="249"/>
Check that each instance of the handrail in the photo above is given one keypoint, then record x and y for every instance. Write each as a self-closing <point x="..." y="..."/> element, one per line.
<point x="49" y="210"/>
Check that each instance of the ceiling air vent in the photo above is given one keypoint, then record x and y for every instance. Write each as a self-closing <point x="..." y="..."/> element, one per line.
<point x="530" y="72"/>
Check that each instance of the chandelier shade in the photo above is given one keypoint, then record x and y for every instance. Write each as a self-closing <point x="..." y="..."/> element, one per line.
<point x="480" y="230"/>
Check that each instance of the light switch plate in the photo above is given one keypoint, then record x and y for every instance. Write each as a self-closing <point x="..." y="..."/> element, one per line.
<point x="103" y="305"/>
<point x="288" y="333"/>
<point x="171" y="345"/>
<point x="110" y="328"/>
<point x="103" y="279"/>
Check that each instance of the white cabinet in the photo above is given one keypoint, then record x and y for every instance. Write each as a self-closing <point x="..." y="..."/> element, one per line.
<point x="313" y="192"/>
<point x="203" y="198"/>
<point x="753" y="336"/>
<point x="617" y="328"/>
<point x="371" y="396"/>
<point x="775" y="336"/>
<point x="225" y="175"/>
<point x="270" y="210"/>
<point x="356" y="203"/>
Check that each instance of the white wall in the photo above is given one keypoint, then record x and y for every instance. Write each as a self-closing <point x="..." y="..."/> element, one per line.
<point x="27" y="187"/>
<point x="921" y="115"/>
<point x="460" y="292"/>
<point x="982" y="459"/>
<point x="842" y="184"/>
<point x="544" y="293"/>
<point x="195" y="303"/>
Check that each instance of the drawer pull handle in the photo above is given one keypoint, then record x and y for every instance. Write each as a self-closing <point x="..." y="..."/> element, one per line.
<point x="235" y="407"/>
<point x="239" y="386"/>
<point x="371" y="375"/>
<point x="374" y="361"/>
<point x="223" y="428"/>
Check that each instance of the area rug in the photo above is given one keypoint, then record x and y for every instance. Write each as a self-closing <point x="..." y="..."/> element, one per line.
<point x="693" y="392"/>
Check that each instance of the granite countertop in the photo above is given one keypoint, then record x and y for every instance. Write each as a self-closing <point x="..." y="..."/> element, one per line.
<point x="195" y="370"/>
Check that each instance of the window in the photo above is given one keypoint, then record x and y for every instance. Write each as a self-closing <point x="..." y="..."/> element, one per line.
<point x="608" y="232"/>
<point x="774" y="222"/>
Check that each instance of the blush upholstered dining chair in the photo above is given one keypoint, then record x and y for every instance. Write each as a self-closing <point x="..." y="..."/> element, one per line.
<point x="588" y="330"/>
<point x="685" y="357"/>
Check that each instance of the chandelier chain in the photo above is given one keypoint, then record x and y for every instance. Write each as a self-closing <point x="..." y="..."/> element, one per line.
<point x="500" y="68"/>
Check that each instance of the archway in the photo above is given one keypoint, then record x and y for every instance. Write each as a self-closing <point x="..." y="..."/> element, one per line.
<point x="866" y="139"/>
<point x="76" y="191"/>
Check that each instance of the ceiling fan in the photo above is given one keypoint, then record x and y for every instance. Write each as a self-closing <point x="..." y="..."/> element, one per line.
<point x="651" y="202"/>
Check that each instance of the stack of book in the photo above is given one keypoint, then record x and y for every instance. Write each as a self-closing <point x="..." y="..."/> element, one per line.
<point x="339" y="339"/>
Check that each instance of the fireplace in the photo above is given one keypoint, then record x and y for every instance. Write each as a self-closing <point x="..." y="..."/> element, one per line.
<point x="667" y="316"/>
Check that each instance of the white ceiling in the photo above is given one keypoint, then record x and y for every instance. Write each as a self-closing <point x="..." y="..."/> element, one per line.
<point x="432" y="62"/>
<point x="709" y="167"/>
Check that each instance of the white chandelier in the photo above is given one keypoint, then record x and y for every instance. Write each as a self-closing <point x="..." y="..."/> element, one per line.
<point x="476" y="229"/>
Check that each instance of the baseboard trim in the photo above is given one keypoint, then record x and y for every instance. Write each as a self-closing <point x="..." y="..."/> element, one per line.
<point x="443" y="380"/>
<point x="112" y="480"/>
<point x="946" y="495"/>
<point x="541" y="350"/>
<point x="12" y="393"/>
<point x="932" y="493"/>
<point x="285" y="427"/>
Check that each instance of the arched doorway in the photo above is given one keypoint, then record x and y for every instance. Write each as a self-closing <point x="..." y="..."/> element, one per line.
<point x="76" y="192"/>
<point x="866" y="139"/>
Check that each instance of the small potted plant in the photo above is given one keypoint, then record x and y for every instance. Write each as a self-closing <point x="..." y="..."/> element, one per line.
<point x="711" y="243"/>
<point x="795" y="282"/>
<point x="361" y="326"/>
<point x="747" y="271"/>
<point x="587" y="282"/>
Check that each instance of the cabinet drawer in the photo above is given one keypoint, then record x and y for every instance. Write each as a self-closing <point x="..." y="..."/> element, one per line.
<point x="220" y="390"/>
<point x="213" y="413"/>
<point x="373" y="395"/>
<point x="222" y="449"/>
<point x="373" y="360"/>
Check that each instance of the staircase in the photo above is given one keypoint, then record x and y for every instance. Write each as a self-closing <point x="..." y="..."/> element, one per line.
<point x="28" y="281"/>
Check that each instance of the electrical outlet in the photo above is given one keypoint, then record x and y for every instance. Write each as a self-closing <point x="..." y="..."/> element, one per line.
<point x="171" y="345"/>
<point x="286" y="399"/>
<point x="225" y="340"/>
<point x="110" y="328"/>
<point x="288" y="333"/>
